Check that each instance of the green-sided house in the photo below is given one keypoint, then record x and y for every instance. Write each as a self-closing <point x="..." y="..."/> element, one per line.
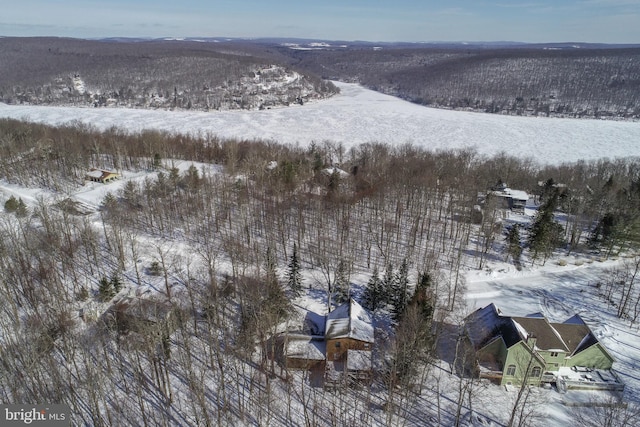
<point x="510" y="350"/>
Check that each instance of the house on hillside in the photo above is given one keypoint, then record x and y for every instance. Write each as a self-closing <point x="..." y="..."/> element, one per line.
<point x="349" y="341"/>
<point x="510" y="350"/>
<point x="101" y="176"/>
<point x="344" y="351"/>
<point x="515" y="200"/>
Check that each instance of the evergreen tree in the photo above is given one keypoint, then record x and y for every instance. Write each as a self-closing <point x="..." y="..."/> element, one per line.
<point x="105" y="289"/>
<point x="294" y="279"/>
<point x="16" y="206"/>
<point x="373" y="297"/>
<point x="414" y="342"/>
<point x="546" y="234"/>
<point x="22" y="210"/>
<point x="400" y="290"/>
<point x="424" y="296"/>
<point x="157" y="161"/>
<point x="514" y="250"/>
<point x="387" y="284"/>
<point x="116" y="283"/>
<point x="341" y="284"/>
<point x="615" y="230"/>
<point x="155" y="269"/>
<point x="11" y="205"/>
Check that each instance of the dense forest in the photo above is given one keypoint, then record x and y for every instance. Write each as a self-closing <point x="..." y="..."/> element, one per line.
<point x="216" y="242"/>
<point x="549" y="81"/>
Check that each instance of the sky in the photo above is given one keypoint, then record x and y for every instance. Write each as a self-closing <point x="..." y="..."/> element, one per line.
<point x="598" y="21"/>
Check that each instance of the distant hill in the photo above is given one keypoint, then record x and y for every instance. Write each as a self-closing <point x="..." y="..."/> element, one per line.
<point x="561" y="79"/>
<point x="553" y="79"/>
<point x="150" y="74"/>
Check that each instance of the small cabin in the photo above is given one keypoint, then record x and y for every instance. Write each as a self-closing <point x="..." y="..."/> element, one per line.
<point x="102" y="176"/>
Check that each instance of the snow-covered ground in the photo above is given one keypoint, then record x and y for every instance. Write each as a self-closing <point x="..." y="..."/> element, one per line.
<point x="358" y="115"/>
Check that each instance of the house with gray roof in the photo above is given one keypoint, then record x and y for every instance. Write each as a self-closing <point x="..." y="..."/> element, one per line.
<point x="512" y="349"/>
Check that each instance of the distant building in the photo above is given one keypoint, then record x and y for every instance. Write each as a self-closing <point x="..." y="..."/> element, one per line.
<point x="510" y="349"/>
<point x="101" y="176"/>
<point x="515" y="200"/>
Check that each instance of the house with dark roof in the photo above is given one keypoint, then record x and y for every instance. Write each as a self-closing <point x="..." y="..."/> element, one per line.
<point x="511" y="349"/>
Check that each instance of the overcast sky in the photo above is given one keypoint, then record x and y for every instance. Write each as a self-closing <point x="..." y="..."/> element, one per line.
<point x="607" y="21"/>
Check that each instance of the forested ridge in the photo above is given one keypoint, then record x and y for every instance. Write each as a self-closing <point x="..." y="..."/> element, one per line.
<point x="559" y="82"/>
<point x="551" y="80"/>
<point x="216" y="241"/>
<point x="150" y="74"/>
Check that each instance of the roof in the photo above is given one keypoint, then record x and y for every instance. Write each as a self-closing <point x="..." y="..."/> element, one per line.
<point x="547" y="338"/>
<point x="95" y="173"/>
<point x="576" y="337"/>
<point x="576" y="334"/>
<point x="141" y="308"/>
<point x="330" y="171"/>
<point x="572" y="336"/>
<point x="305" y="347"/>
<point x="358" y="360"/>
<point x="516" y="194"/>
<point x="512" y="194"/>
<point x="100" y="173"/>
<point x="349" y="320"/>
<point x="484" y="324"/>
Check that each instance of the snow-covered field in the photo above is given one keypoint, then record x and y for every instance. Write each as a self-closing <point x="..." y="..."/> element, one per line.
<point x="359" y="115"/>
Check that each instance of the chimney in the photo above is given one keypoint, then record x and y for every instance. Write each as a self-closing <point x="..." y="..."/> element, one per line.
<point x="531" y="340"/>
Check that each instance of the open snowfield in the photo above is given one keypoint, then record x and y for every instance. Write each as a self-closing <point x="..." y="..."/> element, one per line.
<point x="359" y="115"/>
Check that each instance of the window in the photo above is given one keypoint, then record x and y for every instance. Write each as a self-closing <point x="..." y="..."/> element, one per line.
<point x="338" y="344"/>
<point x="511" y="370"/>
<point x="554" y="354"/>
<point x="535" y="372"/>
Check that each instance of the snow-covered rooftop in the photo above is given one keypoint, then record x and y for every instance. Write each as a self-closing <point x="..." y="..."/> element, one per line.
<point x="349" y="320"/>
<point x="305" y="347"/>
<point x="516" y="194"/>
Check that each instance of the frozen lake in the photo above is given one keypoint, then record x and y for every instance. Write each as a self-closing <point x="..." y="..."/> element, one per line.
<point x="359" y="115"/>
